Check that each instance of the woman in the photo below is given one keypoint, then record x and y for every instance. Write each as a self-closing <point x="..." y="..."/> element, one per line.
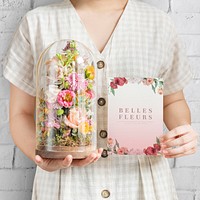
<point x="128" y="38"/>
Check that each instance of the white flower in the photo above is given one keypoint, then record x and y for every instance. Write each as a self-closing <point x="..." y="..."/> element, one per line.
<point x="52" y="93"/>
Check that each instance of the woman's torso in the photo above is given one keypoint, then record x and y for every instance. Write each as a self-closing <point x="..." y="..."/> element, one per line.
<point x="137" y="47"/>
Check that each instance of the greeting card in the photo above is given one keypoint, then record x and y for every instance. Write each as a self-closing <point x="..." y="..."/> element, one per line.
<point x="135" y="115"/>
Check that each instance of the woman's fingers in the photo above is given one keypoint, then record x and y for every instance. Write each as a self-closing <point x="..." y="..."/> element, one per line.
<point x="67" y="161"/>
<point x="99" y="154"/>
<point x="38" y="160"/>
<point x="180" y="149"/>
<point x="84" y="162"/>
<point x="90" y="159"/>
<point x="180" y="140"/>
<point x="184" y="138"/>
<point x="180" y="130"/>
<point x="191" y="151"/>
<point x="55" y="164"/>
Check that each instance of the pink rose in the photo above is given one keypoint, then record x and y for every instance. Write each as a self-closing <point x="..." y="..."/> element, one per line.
<point x="149" y="81"/>
<point x="113" y="85"/>
<point x="65" y="98"/>
<point x="125" y="80"/>
<point x="74" y="116"/>
<point x="110" y="141"/>
<point x="68" y="123"/>
<point x="90" y="94"/>
<point x="160" y="91"/>
<point x="150" y="151"/>
<point x="157" y="147"/>
<point x="119" y="81"/>
<point x="120" y="151"/>
<point x="125" y="150"/>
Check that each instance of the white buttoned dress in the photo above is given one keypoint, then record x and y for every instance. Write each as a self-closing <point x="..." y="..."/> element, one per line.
<point x="144" y="44"/>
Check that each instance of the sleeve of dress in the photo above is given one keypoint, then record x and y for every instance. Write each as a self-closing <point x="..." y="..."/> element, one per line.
<point x="19" y="63"/>
<point x="178" y="71"/>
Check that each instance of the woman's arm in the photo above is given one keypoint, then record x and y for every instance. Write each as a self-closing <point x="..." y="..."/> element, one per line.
<point x="176" y="110"/>
<point x="178" y="120"/>
<point x="22" y="126"/>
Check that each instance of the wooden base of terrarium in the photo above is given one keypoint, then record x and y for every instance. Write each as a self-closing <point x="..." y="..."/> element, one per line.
<point x="62" y="152"/>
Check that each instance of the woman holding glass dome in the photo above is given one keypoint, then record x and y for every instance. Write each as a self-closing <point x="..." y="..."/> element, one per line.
<point x="127" y="38"/>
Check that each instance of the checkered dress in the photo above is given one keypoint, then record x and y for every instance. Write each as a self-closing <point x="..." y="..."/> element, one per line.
<point x="143" y="44"/>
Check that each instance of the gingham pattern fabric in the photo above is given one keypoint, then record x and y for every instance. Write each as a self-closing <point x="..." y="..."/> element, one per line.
<point x="144" y="44"/>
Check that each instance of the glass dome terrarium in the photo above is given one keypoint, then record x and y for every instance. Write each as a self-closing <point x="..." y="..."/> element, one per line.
<point x="66" y="101"/>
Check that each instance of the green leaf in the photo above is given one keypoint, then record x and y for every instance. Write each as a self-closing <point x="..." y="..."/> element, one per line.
<point x="73" y="44"/>
<point x="114" y="148"/>
<point x="75" y="130"/>
<point x="160" y="83"/>
<point x="117" y="143"/>
<point x="156" y="83"/>
<point x="90" y="86"/>
<point x="74" y="134"/>
<point x="66" y="85"/>
<point x="153" y="88"/>
<point x="112" y="91"/>
<point x="87" y="74"/>
<point x="157" y="140"/>
<point x="59" y="56"/>
<point x="60" y="112"/>
<point x="62" y="63"/>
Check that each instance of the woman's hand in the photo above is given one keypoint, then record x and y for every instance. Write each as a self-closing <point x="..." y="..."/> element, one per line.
<point x="183" y="137"/>
<point x="51" y="165"/>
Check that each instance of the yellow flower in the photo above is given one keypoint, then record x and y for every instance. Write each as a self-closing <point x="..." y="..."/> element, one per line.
<point x="90" y="72"/>
<point x="90" y="129"/>
<point x="46" y="111"/>
<point x="75" y="57"/>
<point x="84" y="127"/>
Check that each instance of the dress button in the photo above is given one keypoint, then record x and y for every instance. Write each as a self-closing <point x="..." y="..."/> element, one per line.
<point x="104" y="153"/>
<point x="100" y="64"/>
<point x="101" y="101"/>
<point x="103" y="134"/>
<point x="105" y="193"/>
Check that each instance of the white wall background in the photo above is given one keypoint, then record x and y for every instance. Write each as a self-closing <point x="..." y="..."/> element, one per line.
<point x="17" y="172"/>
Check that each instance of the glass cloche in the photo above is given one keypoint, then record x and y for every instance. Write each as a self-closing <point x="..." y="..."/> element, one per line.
<point x="66" y="101"/>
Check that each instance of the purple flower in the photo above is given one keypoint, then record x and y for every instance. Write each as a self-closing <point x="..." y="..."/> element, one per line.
<point x="51" y="124"/>
<point x="77" y="82"/>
